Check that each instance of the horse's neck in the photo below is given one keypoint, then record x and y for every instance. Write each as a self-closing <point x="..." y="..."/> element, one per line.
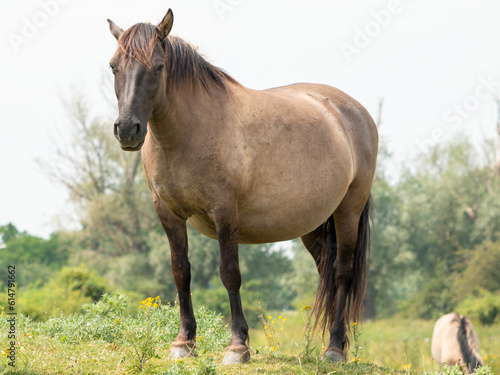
<point x="184" y="113"/>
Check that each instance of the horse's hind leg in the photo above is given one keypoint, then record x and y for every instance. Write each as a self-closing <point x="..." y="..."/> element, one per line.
<point x="351" y="228"/>
<point x="339" y="250"/>
<point x="316" y="241"/>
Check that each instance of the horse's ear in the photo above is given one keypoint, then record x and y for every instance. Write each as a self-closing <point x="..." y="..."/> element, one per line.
<point x="115" y="30"/>
<point x="166" y="24"/>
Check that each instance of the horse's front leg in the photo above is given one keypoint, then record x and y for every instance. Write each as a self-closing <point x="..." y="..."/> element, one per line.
<point x="226" y="223"/>
<point x="175" y="228"/>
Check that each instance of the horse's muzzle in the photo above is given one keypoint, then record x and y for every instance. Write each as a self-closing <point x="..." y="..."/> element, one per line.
<point x="129" y="133"/>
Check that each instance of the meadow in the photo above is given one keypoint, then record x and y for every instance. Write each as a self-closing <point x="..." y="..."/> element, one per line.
<point x="395" y="343"/>
<point x="106" y="339"/>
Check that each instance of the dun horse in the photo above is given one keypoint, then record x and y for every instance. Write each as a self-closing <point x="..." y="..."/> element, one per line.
<point x="247" y="166"/>
<point x="454" y="341"/>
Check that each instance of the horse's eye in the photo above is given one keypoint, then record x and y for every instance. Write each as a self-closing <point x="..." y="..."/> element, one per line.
<point x="160" y="68"/>
<point x="113" y="68"/>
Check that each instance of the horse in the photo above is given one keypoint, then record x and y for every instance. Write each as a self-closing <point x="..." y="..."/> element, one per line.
<point x="247" y="166"/>
<point x="455" y="342"/>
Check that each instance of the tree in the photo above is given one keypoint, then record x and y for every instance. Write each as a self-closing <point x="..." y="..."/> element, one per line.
<point x="450" y="203"/>
<point x="478" y="270"/>
<point x="35" y="258"/>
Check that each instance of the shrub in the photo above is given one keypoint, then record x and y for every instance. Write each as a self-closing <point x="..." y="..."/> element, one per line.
<point x="107" y="321"/>
<point x="81" y="278"/>
<point x="65" y="292"/>
<point x="485" y="308"/>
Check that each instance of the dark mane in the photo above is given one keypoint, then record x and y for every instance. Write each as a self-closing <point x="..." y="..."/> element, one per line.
<point x="185" y="66"/>
<point x="468" y="356"/>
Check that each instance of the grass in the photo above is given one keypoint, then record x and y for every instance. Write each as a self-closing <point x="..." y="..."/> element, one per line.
<point x="48" y="356"/>
<point x="104" y="340"/>
<point x="389" y="343"/>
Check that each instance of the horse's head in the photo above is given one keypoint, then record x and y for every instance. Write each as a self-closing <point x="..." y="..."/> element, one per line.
<point x="140" y="78"/>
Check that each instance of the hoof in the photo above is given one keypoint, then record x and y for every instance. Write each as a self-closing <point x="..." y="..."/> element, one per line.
<point x="333" y="355"/>
<point x="236" y="357"/>
<point x="178" y="352"/>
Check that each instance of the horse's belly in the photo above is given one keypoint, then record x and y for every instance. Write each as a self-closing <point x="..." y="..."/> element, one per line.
<point x="280" y="216"/>
<point x="277" y="223"/>
<point x="274" y="218"/>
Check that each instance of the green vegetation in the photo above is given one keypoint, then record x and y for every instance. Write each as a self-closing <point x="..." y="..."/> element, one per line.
<point x="105" y="339"/>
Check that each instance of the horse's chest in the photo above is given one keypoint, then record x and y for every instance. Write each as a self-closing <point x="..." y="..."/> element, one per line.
<point x="183" y="202"/>
<point x="179" y="191"/>
<point x="172" y="195"/>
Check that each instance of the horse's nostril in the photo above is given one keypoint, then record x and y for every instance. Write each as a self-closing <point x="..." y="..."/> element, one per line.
<point x="138" y="130"/>
<point x="115" y="129"/>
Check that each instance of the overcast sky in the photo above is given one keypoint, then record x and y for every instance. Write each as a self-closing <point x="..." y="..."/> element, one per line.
<point x="435" y="63"/>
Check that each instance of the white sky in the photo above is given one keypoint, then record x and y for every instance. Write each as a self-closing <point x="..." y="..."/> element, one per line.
<point x="426" y="59"/>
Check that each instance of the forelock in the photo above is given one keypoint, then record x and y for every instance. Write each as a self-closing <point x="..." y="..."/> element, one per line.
<point x="138" y="43"/>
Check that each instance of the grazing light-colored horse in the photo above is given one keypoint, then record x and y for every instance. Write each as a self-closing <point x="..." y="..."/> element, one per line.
<point x="455" y="342"/>
<point x="247" y="166"/>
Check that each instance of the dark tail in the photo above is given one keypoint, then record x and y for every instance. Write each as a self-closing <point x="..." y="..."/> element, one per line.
<point x="467" y="344"/>
<point x="324" y="306"/>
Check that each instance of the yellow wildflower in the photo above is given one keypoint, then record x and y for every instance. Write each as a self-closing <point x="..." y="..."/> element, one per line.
<point x="269" y="317"/>
<point x="284" y="319"/>
<point x="307" y="307"/>
<point x="200" y="338"/>
<point x="280" y="317"/>
<point x="272" y="349"/>
<point x="117" y="320"/>
<point x="354" y="324"/>
<point x="155" y="305"/>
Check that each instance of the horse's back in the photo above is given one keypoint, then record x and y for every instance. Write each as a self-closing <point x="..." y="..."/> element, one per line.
<point x="346" y="113"/>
